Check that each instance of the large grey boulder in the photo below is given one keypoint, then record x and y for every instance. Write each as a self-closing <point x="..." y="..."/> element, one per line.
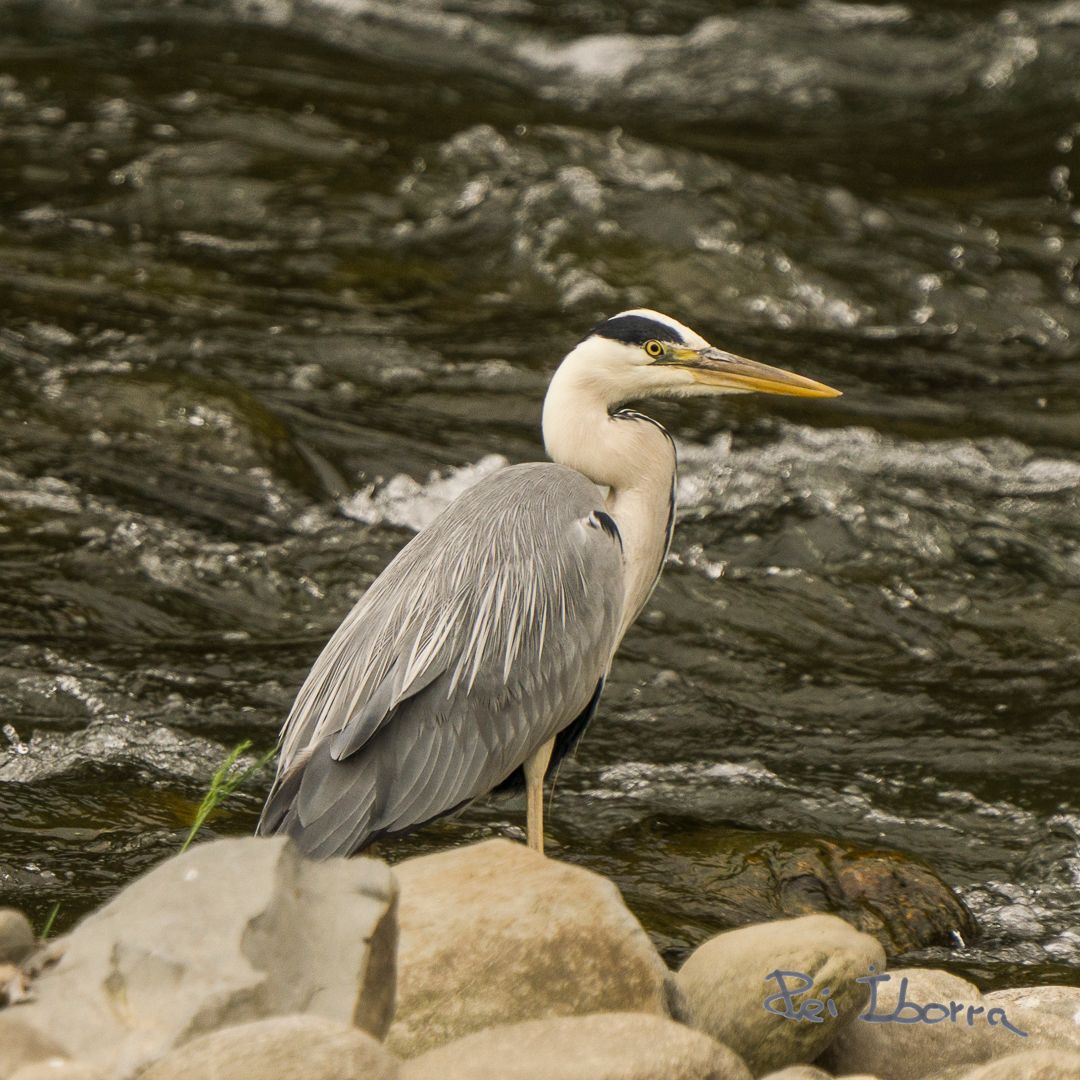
<point x="1032" y="1065"/>
<point x="230" y="931"/>
<point x="21" y="1044"/>
<point x="909" y="1051"/>
<point x="603" y="1046"/>
<point x="1049" y="1014"/>
<point x="494" y="933"/>
<point x="726" y="982"/>
<point x="17" y="939"/>
<point x="279" y="1048"/>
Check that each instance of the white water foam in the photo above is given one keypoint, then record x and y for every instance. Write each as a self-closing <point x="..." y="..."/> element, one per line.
<point x="406" y="502"/>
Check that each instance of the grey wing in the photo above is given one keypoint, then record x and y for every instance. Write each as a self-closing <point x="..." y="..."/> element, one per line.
<point x="486" y="636"/>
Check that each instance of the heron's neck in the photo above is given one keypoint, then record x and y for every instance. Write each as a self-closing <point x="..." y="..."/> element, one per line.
<point x="630" y="455"/>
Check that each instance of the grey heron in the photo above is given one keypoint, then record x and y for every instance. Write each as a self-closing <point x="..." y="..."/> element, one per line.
<point x="474" y="662"/>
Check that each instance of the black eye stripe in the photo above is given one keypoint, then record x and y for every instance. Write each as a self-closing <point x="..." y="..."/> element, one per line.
<point x="635" y="330"/>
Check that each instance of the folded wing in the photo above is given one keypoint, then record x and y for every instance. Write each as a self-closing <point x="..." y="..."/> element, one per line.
<point x="487" y="635"/>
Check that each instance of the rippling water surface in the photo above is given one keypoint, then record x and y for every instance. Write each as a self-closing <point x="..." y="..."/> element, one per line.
<point x="279" y="279"/>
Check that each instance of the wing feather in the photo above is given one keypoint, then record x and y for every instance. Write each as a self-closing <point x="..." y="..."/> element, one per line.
<point x="484" y="637"/>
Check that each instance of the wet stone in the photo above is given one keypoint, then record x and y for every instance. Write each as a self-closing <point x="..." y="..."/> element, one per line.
<point x="735" y="876"/>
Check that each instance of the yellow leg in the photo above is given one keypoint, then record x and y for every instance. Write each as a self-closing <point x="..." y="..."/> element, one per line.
<point x="535" y="768"/>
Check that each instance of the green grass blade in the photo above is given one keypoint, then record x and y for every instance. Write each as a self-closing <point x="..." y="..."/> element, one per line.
<point x="223" y="783"/>
<point x="49" y="920"/>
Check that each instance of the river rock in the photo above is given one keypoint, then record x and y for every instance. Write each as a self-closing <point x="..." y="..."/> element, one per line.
<point x="603" y="1046"/>
<point x="21" y="1044"/>
<point x="725" y="985"/>
<point x="58" y="1069"/>
<point x="812" y="1072"/>
<point x="279" y="1048"/>
<point x="1060" y="1001"/>
<point x="896" y="1051"/>
<point x="17" y="939"/>
<point x="1030" y="1065"/>
<point x="494" y="933"/>
<point x="1049" y="1014"/>
<point x="733" y="877"/>
<point x="228" y="932"/>
<point x="14" y="985"/>
<point x="799" y="1072"/>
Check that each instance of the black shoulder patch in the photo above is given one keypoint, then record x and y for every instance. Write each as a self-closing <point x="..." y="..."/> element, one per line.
<point x="635" y="330"/>
<point x="599" y="520"/>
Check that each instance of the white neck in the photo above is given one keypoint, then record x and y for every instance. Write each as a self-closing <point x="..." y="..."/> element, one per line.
<point x="633" y="458"/>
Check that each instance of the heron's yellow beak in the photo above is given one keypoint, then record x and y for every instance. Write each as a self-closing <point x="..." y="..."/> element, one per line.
<point x="714" y="367"/>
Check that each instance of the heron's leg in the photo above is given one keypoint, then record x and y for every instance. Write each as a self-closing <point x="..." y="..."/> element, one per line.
<point x="535" y="767"/>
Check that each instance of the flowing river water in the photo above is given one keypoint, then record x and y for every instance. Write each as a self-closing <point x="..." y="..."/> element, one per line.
<point x="279" y="279"/>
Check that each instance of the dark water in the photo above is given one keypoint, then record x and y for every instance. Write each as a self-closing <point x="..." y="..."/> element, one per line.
<point x="277" y="280"/>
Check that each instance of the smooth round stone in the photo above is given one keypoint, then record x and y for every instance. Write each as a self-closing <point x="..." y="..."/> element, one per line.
<point x="22" y="1044"/>
<point x="1049" y="1014"/>
<point x="1032" y="1065"/>
<point x="911" y="1051"/>
<point x="17" y="940"/>
<point x="59" y="1069"/>
<point x="604" y="1046"/>
<point x="494" y="934"/>
<point x="726" y="981"/>
<point x="279" y="1048"/>
<point x="799" y="1072"/>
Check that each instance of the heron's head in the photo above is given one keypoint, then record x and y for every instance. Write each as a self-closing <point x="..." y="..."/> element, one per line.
<point x="642" y="353"/>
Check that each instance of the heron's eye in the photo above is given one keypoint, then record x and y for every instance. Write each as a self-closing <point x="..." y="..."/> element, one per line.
<point x="654" y="349"/>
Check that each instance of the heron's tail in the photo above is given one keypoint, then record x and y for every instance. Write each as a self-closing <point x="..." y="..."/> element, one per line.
<point x="280" y="801"/>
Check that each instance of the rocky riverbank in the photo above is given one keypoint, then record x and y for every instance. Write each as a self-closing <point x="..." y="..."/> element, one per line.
<point x="240" y="960"/>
